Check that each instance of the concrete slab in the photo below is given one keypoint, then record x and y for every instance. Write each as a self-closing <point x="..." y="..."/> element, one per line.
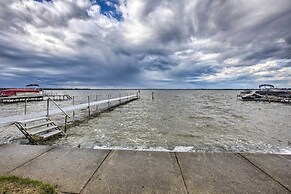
<point x="68" y="168"/>
<point x="224" y="173"/>
<point x="13" y="155"/>
<point x="277" y="166"/>
<point x="137" y="172"/>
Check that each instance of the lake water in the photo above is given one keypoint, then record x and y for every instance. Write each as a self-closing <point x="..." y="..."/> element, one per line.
<point x="184" y="120"/>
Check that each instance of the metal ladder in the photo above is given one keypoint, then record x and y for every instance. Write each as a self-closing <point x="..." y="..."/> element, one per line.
<point x="39" y="129"/>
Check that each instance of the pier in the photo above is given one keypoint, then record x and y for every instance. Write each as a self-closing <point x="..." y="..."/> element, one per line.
<point x="34" y="97"/>
<point x="4" y="121"/>
<point x="39" y="126"/>
<point x="78" y="170"/>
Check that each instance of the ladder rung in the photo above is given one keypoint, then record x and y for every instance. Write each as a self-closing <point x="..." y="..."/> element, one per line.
<point x="50" y="134"/>
<point x="39" y="125"/>
<point x="31" y="120"/>
<point x="43" y="130"/>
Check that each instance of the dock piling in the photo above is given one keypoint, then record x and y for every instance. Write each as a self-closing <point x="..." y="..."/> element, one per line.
<point x="89" y="104"/>
<point x="25" y="106"/>
<point x="47" y="107"/>
<point x="96" y="101"/>
<point x="73" y="105"/>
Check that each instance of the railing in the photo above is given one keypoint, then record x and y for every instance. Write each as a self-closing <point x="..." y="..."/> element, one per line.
<point x="64" y="112"/>
<point x="5" y="121"/>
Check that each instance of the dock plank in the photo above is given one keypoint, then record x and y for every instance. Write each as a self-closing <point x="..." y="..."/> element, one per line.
<point x="68" y="168"/>
<point x="224" y="173"/>
<point x="137" y="172"/>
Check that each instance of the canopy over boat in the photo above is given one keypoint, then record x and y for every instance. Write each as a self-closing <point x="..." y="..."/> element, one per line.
<point x="29" y="85"/>
<point x="266" y="86"/>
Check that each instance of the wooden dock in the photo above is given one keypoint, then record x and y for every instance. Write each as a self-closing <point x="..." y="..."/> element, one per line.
<point x="78" y="170"/>
<point x="5" y="121"/>
<point x="34" y="97"/>
<point x="268" y="99"/>
<point x="22" y="98"/>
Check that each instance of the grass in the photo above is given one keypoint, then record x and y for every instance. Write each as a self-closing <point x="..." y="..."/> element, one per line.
<point x="14" y="184"/>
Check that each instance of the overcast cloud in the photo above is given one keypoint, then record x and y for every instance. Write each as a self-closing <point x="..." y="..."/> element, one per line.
<point x="145" y="43"/>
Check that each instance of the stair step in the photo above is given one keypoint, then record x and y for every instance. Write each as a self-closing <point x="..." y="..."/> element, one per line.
<point x="50" y="134"/>
<point x="39" y="125"/>
<point x="43" y="130"/>
<point x="31" y="120"/>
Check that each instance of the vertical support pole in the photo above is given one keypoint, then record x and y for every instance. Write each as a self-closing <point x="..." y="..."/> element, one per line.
<point x="66" y="119"/>
<point x="48" y="107"/>
<point x="119" y="98"/>
<point x="25" y="106"/>
<point x="108" y="101"/>
<point x="153" y="96"/>
<point x="89" y="104"/>
<point x="96" y="101"/>
<point x="73" y="105"/>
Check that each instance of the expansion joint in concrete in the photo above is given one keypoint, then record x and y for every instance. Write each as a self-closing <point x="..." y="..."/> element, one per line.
<point x="181" y="172"/>
<point x="30" y="160"/>
<point x="96" y="171"/>
<point x="241" y="155"/>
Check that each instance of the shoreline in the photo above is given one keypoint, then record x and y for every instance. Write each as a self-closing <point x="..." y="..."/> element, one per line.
<point x="80" y="170"/>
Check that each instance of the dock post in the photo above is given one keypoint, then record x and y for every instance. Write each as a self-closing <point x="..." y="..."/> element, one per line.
<point x="47" y="107"/>
<point x="108" y="100"/>
<point x="73" y="105"/>
<point x="89" y="104"/>
<point x="119" y="98"/>
<point x="25" y="106"/>
<point x="96" y="101"/>
<point x="153" y="96"/>
<point x="66" y="119"/>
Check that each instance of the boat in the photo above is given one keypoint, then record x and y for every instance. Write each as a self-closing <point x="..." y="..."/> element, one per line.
<point x="29" y="90"/>
<point x="270" y="90"/>
<point x="266" y="92"/>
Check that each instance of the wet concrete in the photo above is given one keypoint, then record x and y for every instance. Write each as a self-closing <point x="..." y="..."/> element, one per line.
<point x="68" y="168"/>
<point x="76" y="170"/>
<point x="13" y="156"/>
<point x="138" y="172"/>
<point x="277" y="166"/>
<point x="224" y="173"/>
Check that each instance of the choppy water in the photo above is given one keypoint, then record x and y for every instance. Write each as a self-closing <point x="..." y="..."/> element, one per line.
<point x="187" y="120"/>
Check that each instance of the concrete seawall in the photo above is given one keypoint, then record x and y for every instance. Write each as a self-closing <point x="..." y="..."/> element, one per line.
<point x="76" y="170"/>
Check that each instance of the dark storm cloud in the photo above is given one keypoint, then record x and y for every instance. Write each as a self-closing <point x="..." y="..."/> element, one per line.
<point x="150" y="43"/>
<point x="197" y="70"/>
<point x="288" y="40"/>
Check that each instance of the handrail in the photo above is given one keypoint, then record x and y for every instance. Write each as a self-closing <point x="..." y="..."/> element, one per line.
<point x="49" y="98"/>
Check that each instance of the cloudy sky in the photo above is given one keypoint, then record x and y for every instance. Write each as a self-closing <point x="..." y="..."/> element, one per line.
<point x="145" y="43"/>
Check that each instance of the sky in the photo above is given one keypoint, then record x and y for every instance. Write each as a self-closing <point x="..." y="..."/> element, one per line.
<point x="185" y="44"/>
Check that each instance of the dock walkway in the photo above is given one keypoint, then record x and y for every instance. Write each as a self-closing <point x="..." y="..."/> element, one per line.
<point x="77" y="170"/>
<point x="5" y="121"/>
